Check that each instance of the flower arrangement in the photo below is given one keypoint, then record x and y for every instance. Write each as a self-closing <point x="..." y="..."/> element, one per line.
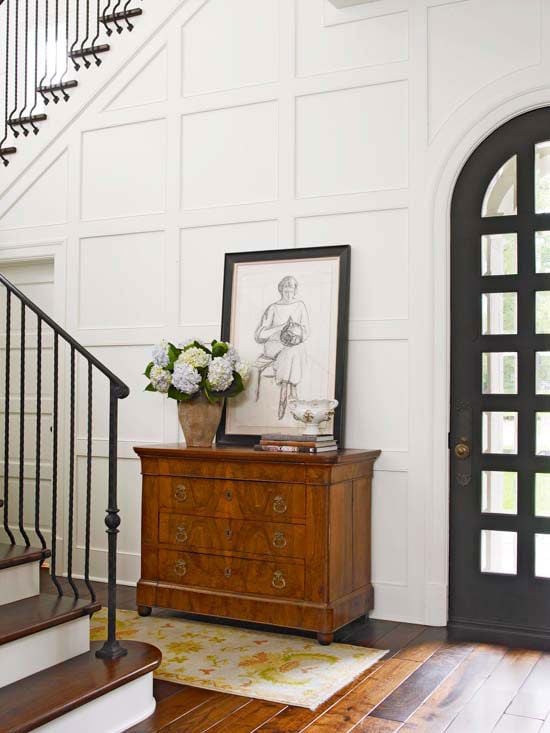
<point x="186" y="371"/>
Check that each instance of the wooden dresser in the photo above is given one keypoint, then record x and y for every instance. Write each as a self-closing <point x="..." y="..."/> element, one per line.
<point x="281" y="539"/>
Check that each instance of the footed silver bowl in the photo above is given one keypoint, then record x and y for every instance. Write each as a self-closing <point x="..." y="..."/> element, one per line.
<point x="312" y="413"/>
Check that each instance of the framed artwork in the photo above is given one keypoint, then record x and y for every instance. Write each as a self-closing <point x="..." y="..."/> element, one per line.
<point x="286" y="312"/>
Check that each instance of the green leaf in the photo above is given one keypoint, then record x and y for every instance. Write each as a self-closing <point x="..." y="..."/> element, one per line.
<point x="212" y="396"/>
<point x="150" y="388"/>
<point x="148" y="369"/>
<point x="237" y="387"/>
<point x="173" y="355"/>
<point x="175" y="394"/>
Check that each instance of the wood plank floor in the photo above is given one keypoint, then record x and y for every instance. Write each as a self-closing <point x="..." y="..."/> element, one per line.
<point x="424" y="683"/>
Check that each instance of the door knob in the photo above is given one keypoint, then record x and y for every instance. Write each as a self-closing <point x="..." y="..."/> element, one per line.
<point x="462" y="449"/>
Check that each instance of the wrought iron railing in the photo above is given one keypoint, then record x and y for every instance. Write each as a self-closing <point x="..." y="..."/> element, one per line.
<point x="42" y="42"/>
<point x="17" y="308"/>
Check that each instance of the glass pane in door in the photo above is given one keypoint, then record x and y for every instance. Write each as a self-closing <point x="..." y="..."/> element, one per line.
<point x="499" y="254"/>
<point x="543" y="433"/>
<point x="500" y="432"/>
<point x="499" y="372"/>
<point x="499" y="314"/>
<point x="542" y="252"/>
<point x="501" y="195"/>
<point x="542" y="555"/>
<point x="499" y="552"/>
<point x="499" y="492"/>
<point x="542" y="178"/>
<point x="542" y="495"/>
<point x="543" y="372"/>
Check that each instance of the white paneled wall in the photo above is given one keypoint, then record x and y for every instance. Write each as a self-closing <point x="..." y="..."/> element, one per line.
<point x="261" y="124"/>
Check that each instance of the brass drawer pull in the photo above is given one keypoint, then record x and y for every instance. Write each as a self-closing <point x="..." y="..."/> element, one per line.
<point x="181" y="534"/>
<point x="180" y="493"/>
<point x="278" y="581"/>
<point x="279" y="505"/>
<point x="228" y="494"/>
<point x="228" y="572"/>
<point x="229" y="533"/>
<point x="279" y="540"/>
<point x="180" y="568"/>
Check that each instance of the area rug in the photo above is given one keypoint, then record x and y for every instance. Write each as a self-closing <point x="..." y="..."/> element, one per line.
<point x="277" y="667"/>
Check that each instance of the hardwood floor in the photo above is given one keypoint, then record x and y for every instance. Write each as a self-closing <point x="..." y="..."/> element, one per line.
<point x="424" y="683"/>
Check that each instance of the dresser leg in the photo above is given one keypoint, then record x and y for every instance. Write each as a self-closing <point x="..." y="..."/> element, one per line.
<point x="144" y="610"/>
<point x="325" y="639"/>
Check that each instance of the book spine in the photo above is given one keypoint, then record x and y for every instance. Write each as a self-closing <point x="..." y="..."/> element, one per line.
<point x="284" y="449"/>
<point x="297" y="444"/>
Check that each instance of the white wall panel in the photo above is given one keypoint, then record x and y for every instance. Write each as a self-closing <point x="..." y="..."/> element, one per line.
<point x="243" y="41"/>
<point x="380" y="254"/>
<point x="352" y="140"/>
<point x="207" y="272"/>
<point x="390" y="528"/>
<point x="148" y="86"/>
<point x="377" y="413"/>
<point x="141" y="414"/>
<point x="473" y="43"/>
<point x="229" y="156"/>
<point x="124" y="170"/>
<point x="134" y="281"/>
<point x="326" y="47"/>
<point x="36" y="206"/>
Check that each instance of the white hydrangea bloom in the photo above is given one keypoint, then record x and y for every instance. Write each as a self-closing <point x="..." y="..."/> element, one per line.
<point x="195" y="357"/>
<point x="160" y="354"/>
<point x="243" y="370"/>
<point x="220" y="373"/>
<point x="161" y="379"/>
<point x="186" y="379"/>
<point x="233" y="355"/>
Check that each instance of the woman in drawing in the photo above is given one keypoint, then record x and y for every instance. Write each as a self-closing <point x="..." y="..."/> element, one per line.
<point x="283" y="329"/>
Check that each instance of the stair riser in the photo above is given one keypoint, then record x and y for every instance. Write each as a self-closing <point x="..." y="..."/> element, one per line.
<point x="19" y="582"/>
<point x="36" y="652"/>
<point x="114" y="712"/>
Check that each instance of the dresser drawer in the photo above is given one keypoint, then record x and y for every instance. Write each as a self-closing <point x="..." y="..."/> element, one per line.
<point x="229" y="469"/>
<point x="265" y="501"/>
<point x="232" y="535"/>
<point x="232" y="574"/>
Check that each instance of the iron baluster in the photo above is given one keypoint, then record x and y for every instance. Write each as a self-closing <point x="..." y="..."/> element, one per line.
<point x="7" y="83"/>
<point x="54" y="461"/>
<point x="112" y="648"/>
<point x="26" y="71"/>
<point x="16" y="70"/>
<point x="67" y="33"/>
<point x="89" y="487"/>
<point x="22" y="433"/>
<point x="56" y="60"/>
<point x="38" y="432"/>
<point x="126" y="18"/>
<point x="116" y="6"/>
<point x="7" y="421"/>
<point x="71" y="479"/>
<point x="46" y="38"/>
<point x="77" y="36"/>
<point x="35" y="91"/>
<point x="105" y="11"/>
<point x="97" y="33"/>
<point x="84" y="43"/>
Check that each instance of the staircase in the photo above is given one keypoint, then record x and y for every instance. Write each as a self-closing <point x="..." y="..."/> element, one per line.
<point x="51" y="678"/>
<point x="43" y="44"/>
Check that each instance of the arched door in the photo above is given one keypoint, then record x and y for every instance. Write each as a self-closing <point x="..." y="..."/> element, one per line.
<point x="500" y="388"/>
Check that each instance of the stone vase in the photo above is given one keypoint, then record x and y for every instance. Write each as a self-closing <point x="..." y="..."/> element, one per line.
<point x="199" y="420"/>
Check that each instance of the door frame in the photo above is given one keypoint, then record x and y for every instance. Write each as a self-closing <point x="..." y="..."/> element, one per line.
<point x="457" y="145"/>
<point x="54" y="251"/>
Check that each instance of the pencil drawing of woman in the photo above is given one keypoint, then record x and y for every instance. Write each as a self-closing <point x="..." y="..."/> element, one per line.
<point x="283" y="329"/>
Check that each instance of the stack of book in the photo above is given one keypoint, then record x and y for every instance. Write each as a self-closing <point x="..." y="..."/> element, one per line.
<point x="281" y="443"/>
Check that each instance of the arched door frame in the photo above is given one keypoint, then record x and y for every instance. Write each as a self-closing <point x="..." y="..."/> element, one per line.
<point x="459" y="145"/>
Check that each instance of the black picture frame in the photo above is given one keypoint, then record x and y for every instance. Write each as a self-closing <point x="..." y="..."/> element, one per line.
<point x="343" y="254"/>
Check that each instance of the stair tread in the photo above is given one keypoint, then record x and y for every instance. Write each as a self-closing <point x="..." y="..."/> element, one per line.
<point x="37" y="613"/>
<point x="47" y="695"/>
<point x="12" y="555"/>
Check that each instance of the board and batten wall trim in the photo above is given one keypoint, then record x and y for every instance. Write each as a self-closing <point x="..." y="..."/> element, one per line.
<point x="310" y="125"/>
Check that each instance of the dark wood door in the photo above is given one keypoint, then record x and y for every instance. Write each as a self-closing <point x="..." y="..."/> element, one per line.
<point x="500" y="387"/>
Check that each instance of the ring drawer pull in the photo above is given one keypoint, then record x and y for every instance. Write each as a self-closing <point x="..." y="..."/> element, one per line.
<point x="229" y="533"/>
<point x="180" y="493"/>
<point x="279" y="505"/>
<point x="279" y="540"/>
<point x="181" y="534"/>
<point x="180" y="568"/>
<point x="278" y="581"/>
<point x="228" y="494"/>
<point x="228" y="572"/>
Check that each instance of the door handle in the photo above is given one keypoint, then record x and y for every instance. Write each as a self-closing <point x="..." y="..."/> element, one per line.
<point x="462" y="449"/>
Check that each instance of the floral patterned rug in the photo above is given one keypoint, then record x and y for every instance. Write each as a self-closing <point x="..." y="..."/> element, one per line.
<point x="287" y="669"/>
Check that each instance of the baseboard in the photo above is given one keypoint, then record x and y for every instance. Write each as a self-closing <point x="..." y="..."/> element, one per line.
<point x="495" y="633"/>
